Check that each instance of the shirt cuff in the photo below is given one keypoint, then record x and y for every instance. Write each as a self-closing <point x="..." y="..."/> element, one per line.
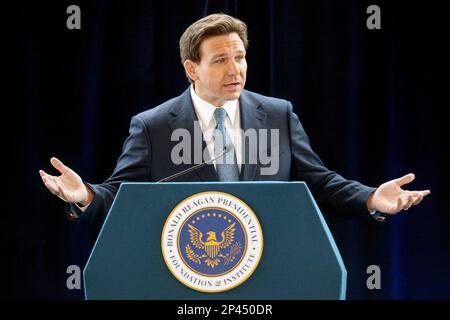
<point x="377" y="215"/>
<point x="74" y="211"/>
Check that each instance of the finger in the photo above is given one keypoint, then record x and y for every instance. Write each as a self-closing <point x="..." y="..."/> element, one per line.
<point x="52" y="187"/>
<point x="402" y="203"/>
<point x="43" y="173"/>
<point x="416" y="193"/>
<point x="44" y="178"/>
<point x="418" y="196"/>
<point x="422" y="193"/>
<point x="62" y="194"/>
<point x="47" y="178"/>
<point x="405" y="179"/>
<point x="397" y="207"/>
<point x="417" y="200"/>
<point x="59" y="165"/>
<point x="409" y="202"/>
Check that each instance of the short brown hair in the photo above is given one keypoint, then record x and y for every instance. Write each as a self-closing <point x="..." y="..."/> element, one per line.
<point x="209" y="26"/>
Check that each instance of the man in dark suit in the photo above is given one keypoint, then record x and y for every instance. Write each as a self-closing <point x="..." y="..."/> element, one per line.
<point x="213" y="53"/>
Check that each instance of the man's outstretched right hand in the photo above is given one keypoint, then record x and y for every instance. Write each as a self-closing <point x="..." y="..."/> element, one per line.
<point x="68" y="186"/>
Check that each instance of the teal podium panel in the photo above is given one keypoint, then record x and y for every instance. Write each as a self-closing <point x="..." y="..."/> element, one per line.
<point x="299" y="260"/>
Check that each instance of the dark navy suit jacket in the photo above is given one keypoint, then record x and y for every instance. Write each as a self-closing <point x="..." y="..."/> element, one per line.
<point x="146" y="156"/>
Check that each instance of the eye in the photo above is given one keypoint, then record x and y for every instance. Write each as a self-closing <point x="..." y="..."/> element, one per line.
<point x="221" y="60"/>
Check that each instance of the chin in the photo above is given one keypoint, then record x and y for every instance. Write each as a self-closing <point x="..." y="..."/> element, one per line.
<point x="233" y="96"/>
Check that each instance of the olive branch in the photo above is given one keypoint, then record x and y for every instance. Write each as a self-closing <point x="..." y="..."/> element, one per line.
<point x="193" y="256"/>
<point x="234" y="251"/>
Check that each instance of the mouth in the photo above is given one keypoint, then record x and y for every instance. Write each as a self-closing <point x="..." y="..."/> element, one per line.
<point x="232" y="85"/>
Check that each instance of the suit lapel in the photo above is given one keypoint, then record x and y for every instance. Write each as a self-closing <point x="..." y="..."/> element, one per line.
<point x="252" y="117"/>
<point x="184" y="117"/>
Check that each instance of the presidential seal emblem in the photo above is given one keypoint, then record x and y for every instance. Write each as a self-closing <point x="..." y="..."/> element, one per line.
<point x="212" y="242"/>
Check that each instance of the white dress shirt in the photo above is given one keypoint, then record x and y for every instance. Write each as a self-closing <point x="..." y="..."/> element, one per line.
<point x="205" y="115"/>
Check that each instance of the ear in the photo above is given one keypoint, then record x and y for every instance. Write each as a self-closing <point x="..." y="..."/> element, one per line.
<point x="190" y="67"/>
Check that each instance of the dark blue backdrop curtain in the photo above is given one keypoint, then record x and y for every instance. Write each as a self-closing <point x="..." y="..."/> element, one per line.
<point x="371" y="102"/>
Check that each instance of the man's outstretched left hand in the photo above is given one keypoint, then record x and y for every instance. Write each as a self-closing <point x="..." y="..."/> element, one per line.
<point x="390" y="198"/>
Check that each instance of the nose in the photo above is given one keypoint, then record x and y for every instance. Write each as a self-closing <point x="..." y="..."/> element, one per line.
<point x="233" y="68"/>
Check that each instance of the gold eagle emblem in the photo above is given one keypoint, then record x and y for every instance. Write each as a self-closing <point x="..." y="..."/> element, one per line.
<point x="212" y="246"/>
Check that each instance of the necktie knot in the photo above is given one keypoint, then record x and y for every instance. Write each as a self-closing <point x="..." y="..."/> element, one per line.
<point x="220" y="115"/>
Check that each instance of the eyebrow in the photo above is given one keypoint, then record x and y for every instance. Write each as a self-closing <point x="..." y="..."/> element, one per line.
<point x="220" y="55"/>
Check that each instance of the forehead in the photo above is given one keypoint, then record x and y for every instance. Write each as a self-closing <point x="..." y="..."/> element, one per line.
<point x="221" y="44"/>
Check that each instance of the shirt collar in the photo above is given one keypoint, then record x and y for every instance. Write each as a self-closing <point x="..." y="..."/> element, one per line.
<point x="205" y="110"/>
